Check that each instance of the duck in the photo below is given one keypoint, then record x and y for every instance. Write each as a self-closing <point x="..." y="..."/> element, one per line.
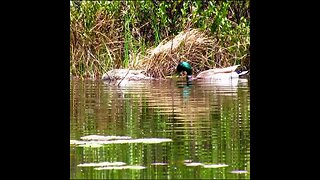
<point x="226" y="73"/>
<point x="124" y="76"/>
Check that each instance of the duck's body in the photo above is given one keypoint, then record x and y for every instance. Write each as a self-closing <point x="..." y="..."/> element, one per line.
<point x="125" y="76"/>
<point x="211" y="74"/>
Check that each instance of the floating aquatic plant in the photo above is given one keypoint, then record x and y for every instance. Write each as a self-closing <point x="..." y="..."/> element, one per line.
<point x="153" y="140"/>
<point x="194" y="164"/>
<point x="102" y="164"/>
<point x="239" y="171"/>
<point x="97" y="142"/>
<point x="159" y="164"/>
<point x="187" y="161"/>
<point x="214" y="165"/>
<point x="103" y="138"/>
<point x="110" y="165"/>
<point x="190" y="163"/>
<point x="120" y="167"/>
<point x="92" y="145"/>
<point x="76" y="142"/>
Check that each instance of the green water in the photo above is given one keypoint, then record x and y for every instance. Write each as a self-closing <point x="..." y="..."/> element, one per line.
<point x="207" y="123"/>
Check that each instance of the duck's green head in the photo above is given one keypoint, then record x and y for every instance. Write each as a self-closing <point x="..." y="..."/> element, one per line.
<point x="184" y="66"/>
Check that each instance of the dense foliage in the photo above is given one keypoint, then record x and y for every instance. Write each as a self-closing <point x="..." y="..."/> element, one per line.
<point x="113" y="34"/>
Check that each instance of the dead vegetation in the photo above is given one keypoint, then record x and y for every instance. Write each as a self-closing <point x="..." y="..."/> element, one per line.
<point x="194" y="46"/>
<point x="106" y="35"/>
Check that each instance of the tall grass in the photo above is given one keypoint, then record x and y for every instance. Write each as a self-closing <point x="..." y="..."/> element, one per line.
<point x="118" y="34"/>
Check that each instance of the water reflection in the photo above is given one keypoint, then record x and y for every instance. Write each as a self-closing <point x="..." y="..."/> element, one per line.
<point x="208" y="123"/>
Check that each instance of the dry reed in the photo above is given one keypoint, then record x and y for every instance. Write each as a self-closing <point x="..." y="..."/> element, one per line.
<point x="194" y="46"/>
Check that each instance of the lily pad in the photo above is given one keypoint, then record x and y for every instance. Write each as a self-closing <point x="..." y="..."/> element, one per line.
<point x="214" y="165"/>
<point x="122" y="141"/>
<point x="120" y="167"/>
<point x="194" y="164"/>
<point x="76" y="142"/>
<point x="159" y="164"/>
<point x="239" y="171"/>
<point x="92" y="145"/>
<point x="99" y="143"/>
<point x="187" y="161"/>
<point x="102" y="164"/>
<point x="103" y="138"/>
<point x="153" y="140"/>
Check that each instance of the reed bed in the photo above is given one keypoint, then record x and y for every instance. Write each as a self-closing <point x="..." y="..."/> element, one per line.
<point x="194" y="46"/>
<point x="155" y="35"/>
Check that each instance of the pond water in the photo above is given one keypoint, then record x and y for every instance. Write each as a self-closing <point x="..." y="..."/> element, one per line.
<point x="202" y="130"/>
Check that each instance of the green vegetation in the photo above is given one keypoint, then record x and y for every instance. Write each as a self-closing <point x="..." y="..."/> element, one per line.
<point x="121" y="34"/>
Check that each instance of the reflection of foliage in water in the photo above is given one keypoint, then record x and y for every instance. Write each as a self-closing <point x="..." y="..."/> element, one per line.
<point x="209" y="128"/>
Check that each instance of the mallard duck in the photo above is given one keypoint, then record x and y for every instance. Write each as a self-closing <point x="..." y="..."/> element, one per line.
<point x="226" y="73"/>
<point x="124" y="76"/>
